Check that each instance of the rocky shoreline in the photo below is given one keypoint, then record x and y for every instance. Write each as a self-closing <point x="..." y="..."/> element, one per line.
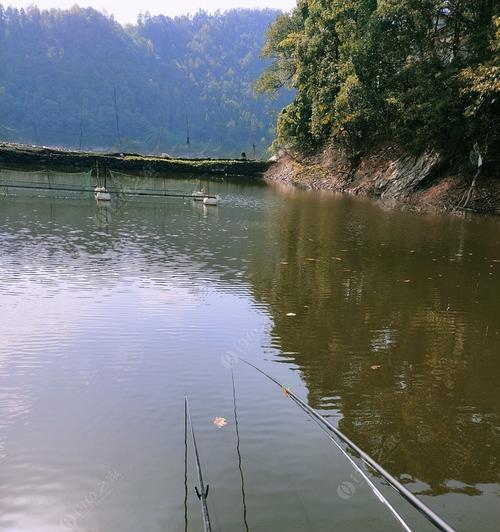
<point x="425" y="182"/>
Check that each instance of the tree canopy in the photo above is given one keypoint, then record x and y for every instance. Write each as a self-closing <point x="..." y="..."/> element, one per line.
<point x="180" y="85"/>
<point x="422" y="73"/>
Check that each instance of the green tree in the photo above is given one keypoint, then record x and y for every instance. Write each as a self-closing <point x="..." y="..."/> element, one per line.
<point x="419" y="73"/>
<point x="61" y="69"/>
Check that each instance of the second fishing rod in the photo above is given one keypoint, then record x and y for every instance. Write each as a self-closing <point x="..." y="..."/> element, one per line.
<point x="202" y="490"/>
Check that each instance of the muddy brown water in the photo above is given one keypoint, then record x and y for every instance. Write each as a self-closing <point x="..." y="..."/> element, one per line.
<point x="385" y="321"/>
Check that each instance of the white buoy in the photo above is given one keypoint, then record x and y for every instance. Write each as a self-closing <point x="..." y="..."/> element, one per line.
<point x="101" y="194"/>
<point x="210" y="201"/>
<point x="198" y="196"/>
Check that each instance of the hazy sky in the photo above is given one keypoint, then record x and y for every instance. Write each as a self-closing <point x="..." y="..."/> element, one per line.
<point x="126" y="10"/>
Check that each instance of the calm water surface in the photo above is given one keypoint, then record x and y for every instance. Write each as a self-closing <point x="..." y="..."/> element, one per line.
<point x="110" y="316"/>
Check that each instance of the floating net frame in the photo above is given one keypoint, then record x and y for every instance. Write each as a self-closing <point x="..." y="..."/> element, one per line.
<point x="20" y="181"/>
<point x="139" y="185"/>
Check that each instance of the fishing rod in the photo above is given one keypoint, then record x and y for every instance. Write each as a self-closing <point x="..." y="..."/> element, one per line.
<point x="370" y="483"/>
<point x="431" y="516"/>
<point x="202" y="493"/>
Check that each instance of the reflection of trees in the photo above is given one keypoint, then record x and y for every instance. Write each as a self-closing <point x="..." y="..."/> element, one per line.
<point x="431" y="409"/>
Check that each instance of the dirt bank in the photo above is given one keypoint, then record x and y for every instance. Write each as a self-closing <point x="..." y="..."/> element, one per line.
<point x="424" y="182"/>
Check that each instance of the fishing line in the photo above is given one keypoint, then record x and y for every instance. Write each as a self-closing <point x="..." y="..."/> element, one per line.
<point x="185" y="467"/>
<point x="367" y="460"/>
<point x="186" y="452"/>
<point x="243" y="494"/>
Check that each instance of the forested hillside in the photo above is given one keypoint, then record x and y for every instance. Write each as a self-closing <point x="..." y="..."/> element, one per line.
<point x="416" y="73"/>
<point x="184" y="86"/>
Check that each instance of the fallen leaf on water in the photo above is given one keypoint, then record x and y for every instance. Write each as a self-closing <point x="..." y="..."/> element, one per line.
<point x="220" y="422"/>
<point x="407" y="280"/>
<point x="376" y="367"/>
<point x="291" y="314"/>
<point x="284" y="263"/>
<point x="336" y="258"/>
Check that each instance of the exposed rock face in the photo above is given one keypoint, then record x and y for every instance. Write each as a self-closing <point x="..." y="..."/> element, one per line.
<point x="406" y="175"/>
<point x="426" y="181"/>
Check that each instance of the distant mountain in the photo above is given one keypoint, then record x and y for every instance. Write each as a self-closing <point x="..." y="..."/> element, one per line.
<point x="183" y="86"/>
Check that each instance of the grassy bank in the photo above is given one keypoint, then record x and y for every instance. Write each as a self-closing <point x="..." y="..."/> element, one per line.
<point x="20" y="156"/>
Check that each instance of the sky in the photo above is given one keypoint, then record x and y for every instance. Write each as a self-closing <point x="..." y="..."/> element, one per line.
<point x="126" y="11"/>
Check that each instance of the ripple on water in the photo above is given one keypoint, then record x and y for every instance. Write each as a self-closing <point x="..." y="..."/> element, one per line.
<point x="107" y="325"/>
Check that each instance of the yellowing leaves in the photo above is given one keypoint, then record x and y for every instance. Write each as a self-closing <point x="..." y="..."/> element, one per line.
<point x="290" y="41"/>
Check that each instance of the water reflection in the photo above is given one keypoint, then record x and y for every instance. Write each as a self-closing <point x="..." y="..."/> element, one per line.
<point x="397" y="330"/>
<point x="388" y="321"/>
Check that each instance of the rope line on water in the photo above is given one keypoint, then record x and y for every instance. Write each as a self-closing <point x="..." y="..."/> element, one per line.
<point x="117" y="188"/>
<point x="429" y="514"/>
<point x="91" y="191"/>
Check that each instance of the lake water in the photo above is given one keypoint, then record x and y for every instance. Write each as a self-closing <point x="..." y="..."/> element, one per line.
<point x="111" y="316"/>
